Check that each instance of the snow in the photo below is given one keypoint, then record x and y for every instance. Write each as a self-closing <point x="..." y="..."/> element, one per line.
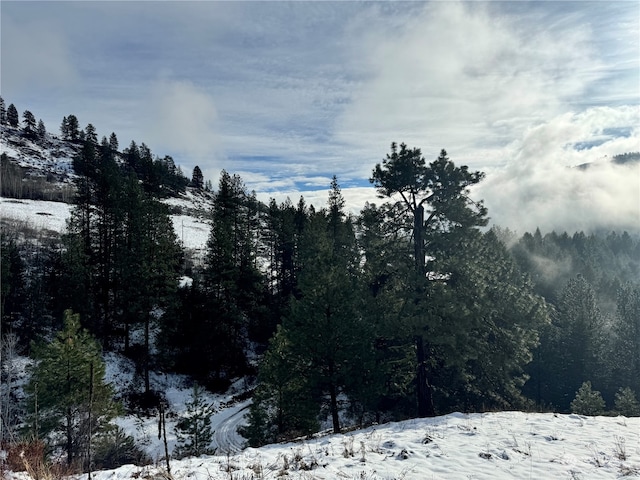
<point x="192" y="231"/>
<point x="53" y="156"/>
<point x="500" y="445"/>
<point x="496" y="445"/>
<point x="37" y="214"/>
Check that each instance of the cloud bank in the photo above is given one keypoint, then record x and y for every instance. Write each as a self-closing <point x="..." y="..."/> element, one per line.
<point x="289" y="93"/>
<point x="542" y="187"/>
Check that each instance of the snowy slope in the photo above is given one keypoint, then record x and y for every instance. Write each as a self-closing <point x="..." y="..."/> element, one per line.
<point x="53" y="158"/>
<point x="50" y="156"/>
<point x="191" y="229"/>
<point x="504" y="445"/>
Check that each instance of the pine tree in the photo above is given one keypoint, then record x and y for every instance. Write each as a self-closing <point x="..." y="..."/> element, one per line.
<point x="587" y="401"/>
<point x="437" y="215"/>
<point x="67" y="392"/>
<point x="626" y="403"/>
<point x="578" y="348"/>
<point x="324" y="348"/>
<point x="90" y="134"/>
<point x="285" y="404"/>
<point x="13" y="119"/>
<point x="29" y="123"/>
<point x="41" y="130"/>
<point x="625" y="351"/>
<point x="489" y="329"/>
<point x="231" y="278"/>
<point x="193" y="430"/>
<point x="113" y="142"/>
<point x="72" y="128"/>
<point x="64" y="128"/>
<point x="3" y="112"/>
<point x="197" y="179"/>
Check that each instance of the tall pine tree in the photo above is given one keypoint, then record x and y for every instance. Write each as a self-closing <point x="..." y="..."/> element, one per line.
<point x="67" y="392"/>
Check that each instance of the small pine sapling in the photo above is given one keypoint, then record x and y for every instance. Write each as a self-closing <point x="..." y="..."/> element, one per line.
<point x="193" y="430"/>
<point x="587" y="401"/>
<point x="626" y="403"/>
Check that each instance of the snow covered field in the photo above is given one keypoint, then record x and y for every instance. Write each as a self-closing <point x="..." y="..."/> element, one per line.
<point x="504" y="445"/>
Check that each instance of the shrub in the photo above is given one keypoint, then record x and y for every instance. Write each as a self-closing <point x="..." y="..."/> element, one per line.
<point x="115" y="448"/>
<point x="587" y="401"/>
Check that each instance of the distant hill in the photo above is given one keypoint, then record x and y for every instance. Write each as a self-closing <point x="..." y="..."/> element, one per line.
<point x="625" y="158"/>
<point x="40" y="166"/>
<point x="621" y="159"/>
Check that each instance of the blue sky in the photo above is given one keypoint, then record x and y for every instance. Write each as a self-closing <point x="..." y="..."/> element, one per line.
<point x="289" y="93"/>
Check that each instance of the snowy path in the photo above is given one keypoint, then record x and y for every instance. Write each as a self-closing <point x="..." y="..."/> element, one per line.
<point x="226" y="438"/>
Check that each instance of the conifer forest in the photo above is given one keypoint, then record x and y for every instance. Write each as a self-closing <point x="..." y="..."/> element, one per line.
<point x="414" y="307"/>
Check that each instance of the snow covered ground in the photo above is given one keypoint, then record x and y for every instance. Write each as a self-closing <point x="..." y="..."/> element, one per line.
<point x="36" y="214"/>
<point x="496" y="446"/>
<point x="502" y="445"/>
<point x="191" y="230"/>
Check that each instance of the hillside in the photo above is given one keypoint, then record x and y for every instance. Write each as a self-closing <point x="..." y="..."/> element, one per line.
<point x="288" y="320"/>
<point x="491" y="446"/>
<point x="37" y="188"/>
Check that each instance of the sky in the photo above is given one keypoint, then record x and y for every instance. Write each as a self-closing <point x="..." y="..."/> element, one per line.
<point x="288" y="94"/>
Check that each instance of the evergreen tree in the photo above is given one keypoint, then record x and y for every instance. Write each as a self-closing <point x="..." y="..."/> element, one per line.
<point x="13" y="119"/>
<point x="197" y="179"/>
<point x="324" y="338"/>
<point x="626" y="403"/>
<point x="437" y="215"/>
<point x="578" y="346"/>
<point x="113" y="142"/>
<point x="193" y="430"/>
<point x="231" y="278"/>
<point x="489" y="328"/>
<point x="149" y="264"/>
<point x="132" y="157"/>
<point x="64" y="128"/>
<point x="12" y="282"/>
<point x="384" y="276"/>
<point x="122" y="253"/>
<point x="90" y="134"/>
<point x="29" y="123"/>
<point x="625" y="348"/>
<point x="72" y="129"/>
<point x="3" y="112"/>
<point x="285" y="404"/>
<point x="587" y="401"/>
<point x="41" y="130"/>
<point x="67" y="392"/>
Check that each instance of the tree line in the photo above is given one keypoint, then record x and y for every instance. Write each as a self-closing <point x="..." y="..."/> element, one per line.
<point x="411" y="308"/>
<point x="161" y="174"/>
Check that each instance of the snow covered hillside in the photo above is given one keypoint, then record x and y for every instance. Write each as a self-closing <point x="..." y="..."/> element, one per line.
<point x="505" y="445"/>
<point x="191" y="227"/>
<point x="50" y="160"/>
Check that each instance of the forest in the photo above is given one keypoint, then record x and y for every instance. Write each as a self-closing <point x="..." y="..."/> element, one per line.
<point x="412" y="308"/>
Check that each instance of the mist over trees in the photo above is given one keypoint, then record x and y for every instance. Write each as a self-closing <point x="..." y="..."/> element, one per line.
<point x="411" y="308"/>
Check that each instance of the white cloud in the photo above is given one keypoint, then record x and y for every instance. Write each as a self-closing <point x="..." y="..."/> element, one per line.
<point x="461" y="76"/>
<point x="35" y="54"/>
<point x="182" y="118"/>
<point x="539" y="188"/>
